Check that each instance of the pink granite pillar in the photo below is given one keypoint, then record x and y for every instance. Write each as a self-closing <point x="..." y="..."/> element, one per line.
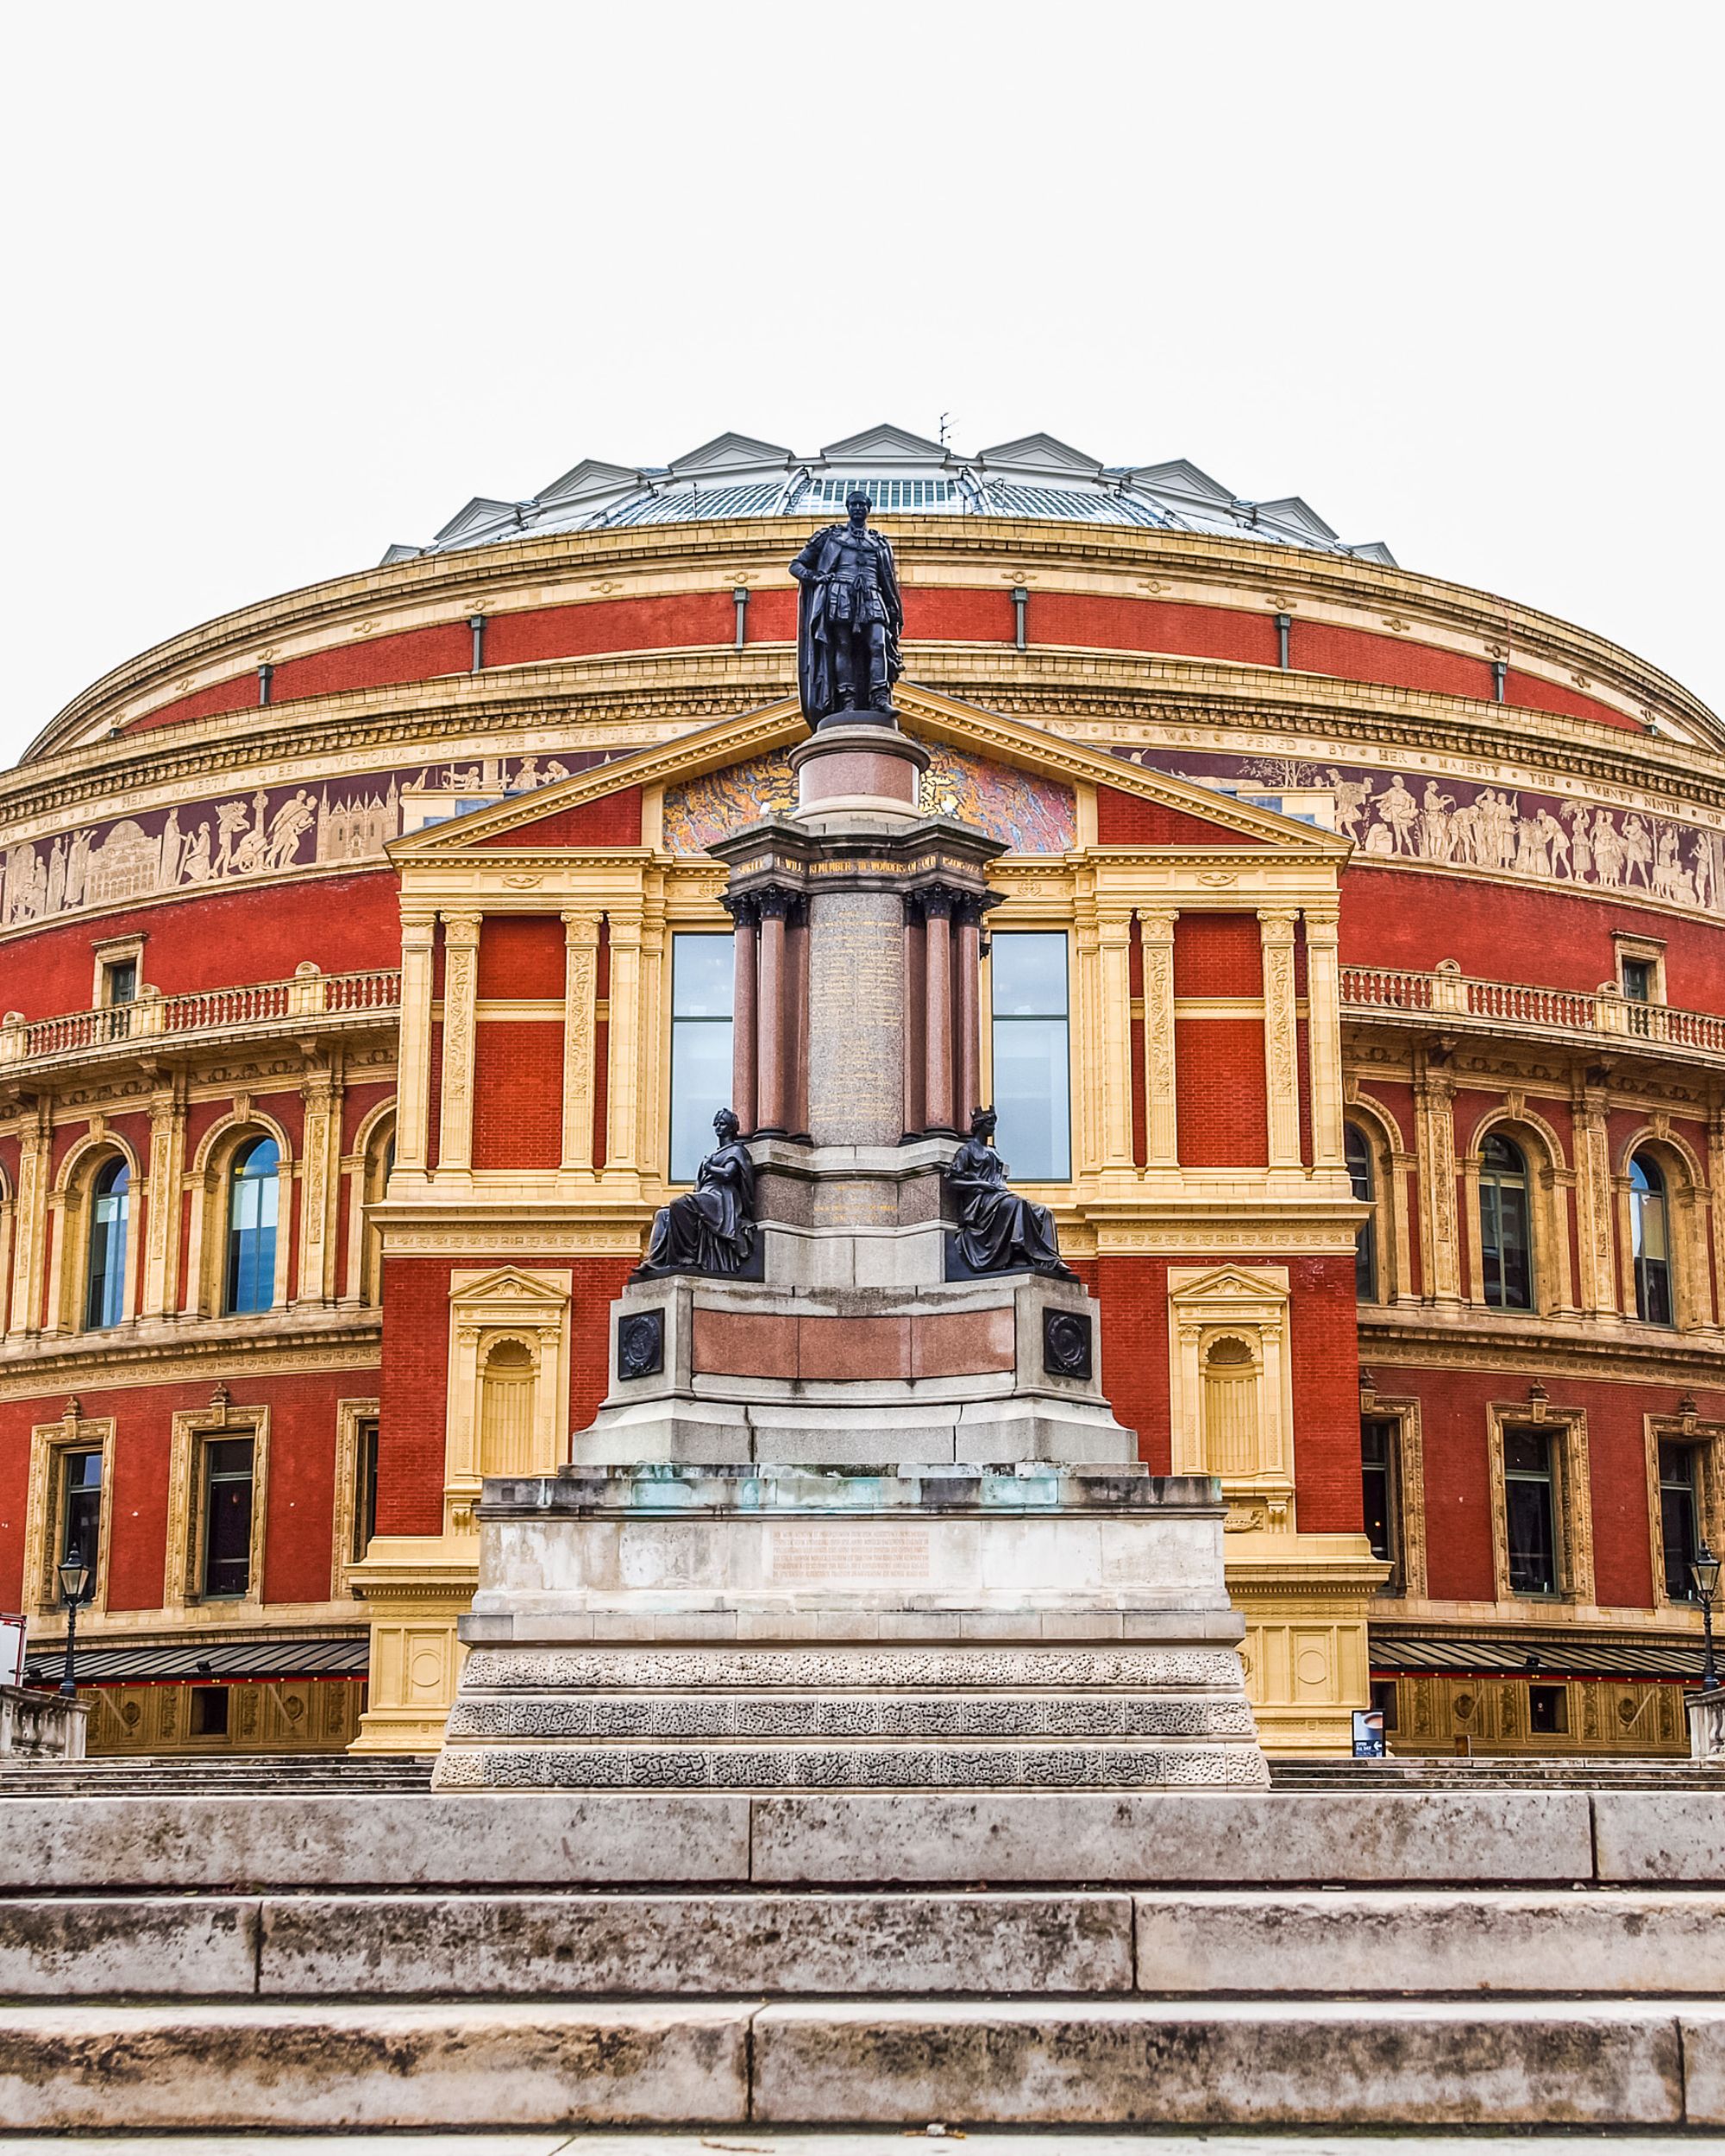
<point x="745" y="1017"/>
<point x="968" y="961"/>
<point x="937" y="1010"/>
<point x="915" y="1117"/>
<point x="772" y="1073"/>
<point x="796" y="1018"/>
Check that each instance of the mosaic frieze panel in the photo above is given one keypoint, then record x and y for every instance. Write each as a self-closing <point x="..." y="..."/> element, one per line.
<point x="1030" y="814"/>
<point x="1455" y="822"/>
<point x="263" y="832"/>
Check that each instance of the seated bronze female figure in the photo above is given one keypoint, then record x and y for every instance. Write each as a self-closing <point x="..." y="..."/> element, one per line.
<point x="710" y="1229"/>
<point x="998" y="1232"/>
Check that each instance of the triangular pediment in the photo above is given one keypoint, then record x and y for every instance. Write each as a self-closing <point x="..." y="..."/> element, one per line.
<point x="1198" y="820"/>
<point x="1226" y="1284"/>
<point x="1182" y="477"/>
<point x="589" y="480"/>
<point x="888" y="442"/>
<point x="510" y="1285"/>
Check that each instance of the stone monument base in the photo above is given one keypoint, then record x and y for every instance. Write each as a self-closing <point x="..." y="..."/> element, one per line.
<point x="762" y="1628"/>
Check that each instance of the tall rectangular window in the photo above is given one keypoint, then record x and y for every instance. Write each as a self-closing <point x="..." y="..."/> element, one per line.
<point x="226" y="1569"/>
<point x="1377" y="1478"/>
<point x="365" y="1484"/>
<point x="81" y="1507"/>
<point x="1032" y="1067"/>
<point x="702" y="982"/>
<point x="1679" y="1519"/>
<point x="1531" y="1506"/>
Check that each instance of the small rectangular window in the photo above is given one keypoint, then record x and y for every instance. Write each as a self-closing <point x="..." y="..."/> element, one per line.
<point x="365" y="1485"/>
<point x="1548" y="1710"/>
<point x="1638" y="979"/>
<point x="1378" y="1469"/>
<point x="1032" y="1055"/>
<point x="81" y="1507"/>
<point x="226" y="1569"/>
<point x="702" y="984"/>
<point x="1530" y="1502"/>
<point x="209" y="1715"/>
<point x="1679" y="1519"/>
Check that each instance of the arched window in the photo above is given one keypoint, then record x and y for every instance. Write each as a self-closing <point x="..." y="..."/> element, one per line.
<point x="252" y="1195"/>
<point x="110" y="1203"/>
<point x="1505" y="1239"/>
<point x="1650" y="1238"/>
<point x="1358" y="1150"/>
<point x="506" y="1410"/>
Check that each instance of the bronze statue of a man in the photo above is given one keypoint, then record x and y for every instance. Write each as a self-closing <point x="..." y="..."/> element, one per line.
<point x="848" y="620"/>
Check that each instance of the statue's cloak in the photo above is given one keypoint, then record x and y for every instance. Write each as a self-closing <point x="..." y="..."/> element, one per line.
<point x="814" y="650"/>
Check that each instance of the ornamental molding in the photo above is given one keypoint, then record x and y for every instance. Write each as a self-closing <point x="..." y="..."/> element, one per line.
<point x="114" y="1364"/>
<point x="1388" y="1341"/>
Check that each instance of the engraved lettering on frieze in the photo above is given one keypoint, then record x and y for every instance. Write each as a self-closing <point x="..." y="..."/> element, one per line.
<point x="862" y="1550"/>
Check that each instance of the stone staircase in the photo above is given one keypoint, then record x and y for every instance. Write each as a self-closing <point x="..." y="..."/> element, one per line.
<point x="254" y="1774"/>
<point x="1372" y="1959"/>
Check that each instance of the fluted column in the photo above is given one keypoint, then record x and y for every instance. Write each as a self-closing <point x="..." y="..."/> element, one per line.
<point x="461" y="990"/>
<point x="938" y="1008"/>
<point x="1324" y="1038"/>
<point x="771" y="1073"/>
<point x="1161" y="1120"/>
<point x="1114" y="938"/>
<point x="1281" y="1059"/>
<point x="413" y="1055"/>
<point x="623" y="1065"/>
<point x="745" y="1007"/>
<point x="580" y="982"/>
<point x="968" y="961"/>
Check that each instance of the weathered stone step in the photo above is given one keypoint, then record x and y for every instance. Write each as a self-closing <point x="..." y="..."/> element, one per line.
<point x="840" y="2141"/>
<point x="1263" y="1838"/>
<point x="451" y="2065"/>
<point x="1171" y="1944"/>
<point x="1494" y="1773"/>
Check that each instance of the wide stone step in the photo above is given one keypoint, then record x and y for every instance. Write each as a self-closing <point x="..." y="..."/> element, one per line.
<point x="563" y="1945"/>
<point x="559" y="1840"/>
<point x="451" y="2065"/>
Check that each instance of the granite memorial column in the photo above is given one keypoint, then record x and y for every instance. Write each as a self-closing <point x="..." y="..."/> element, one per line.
<point x="745" y="1047"/>
<point x="938" y="1009"/>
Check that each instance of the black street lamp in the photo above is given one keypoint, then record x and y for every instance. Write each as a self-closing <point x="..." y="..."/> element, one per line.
<point x="75" y="1592"/>
<point x="1705" y="1571"/>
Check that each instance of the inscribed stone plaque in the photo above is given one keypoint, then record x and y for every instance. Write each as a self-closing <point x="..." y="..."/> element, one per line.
<point x="857" y="1550"/>
<point x="856" y="1018"/>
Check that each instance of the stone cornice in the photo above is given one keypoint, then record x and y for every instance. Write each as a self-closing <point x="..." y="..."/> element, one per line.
<point x="1393" y="1339"/>
<point x="192" y="1352"/>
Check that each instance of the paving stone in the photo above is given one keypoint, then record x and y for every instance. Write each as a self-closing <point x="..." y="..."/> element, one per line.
<point x="1467" y="1940"/>
<point x="1341" y="2064"/>
<point x="372" y="2066"/>
<point x="401" y="1945"/>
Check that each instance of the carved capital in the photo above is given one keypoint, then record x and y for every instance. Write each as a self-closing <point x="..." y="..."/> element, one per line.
<point x="461" y="930"/>
<point x="581" y="930"/>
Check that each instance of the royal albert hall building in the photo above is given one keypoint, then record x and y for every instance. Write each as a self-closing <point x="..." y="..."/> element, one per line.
<point x="1355" y="1000"/>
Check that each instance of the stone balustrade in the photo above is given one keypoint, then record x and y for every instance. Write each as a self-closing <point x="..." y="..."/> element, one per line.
<point x="40" y="1724"/>
<point x="1446" y="993"/>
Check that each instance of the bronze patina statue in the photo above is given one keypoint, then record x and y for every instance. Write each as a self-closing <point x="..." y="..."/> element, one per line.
<point x="710" y="1229"/>
<point x="998" y="1232"/>
<point x="848" y="620"/>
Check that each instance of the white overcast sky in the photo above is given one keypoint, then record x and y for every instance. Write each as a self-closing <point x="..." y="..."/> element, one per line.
<point x="289" y="282"/>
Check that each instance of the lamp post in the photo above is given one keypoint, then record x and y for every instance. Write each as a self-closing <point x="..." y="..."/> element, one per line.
<point x="75" y="1591"/>
<point x="1705" y="1571"/>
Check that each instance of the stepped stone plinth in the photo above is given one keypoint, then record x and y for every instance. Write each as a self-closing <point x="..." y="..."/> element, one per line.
<point x="855" y="1511"/>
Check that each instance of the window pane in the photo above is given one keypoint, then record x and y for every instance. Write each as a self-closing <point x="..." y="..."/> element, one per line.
<point x="702" y="976"/>
<point x="1530" y="1502"/>
<point x="1028" y="975"/>
<point x="1032" y="1098"/>
<point x="253" y="1197"/>
<point x="366" y="1488"/>
<point x="1678" y="1533"/>
<point x="1375" y="1462"/>
<point x="227" y="1516"/>
<point x="104" y="1303"/>
<point x="1503" y="1244"/>
<point x="81" y="1507"/>
<point x="700" y="1086"/>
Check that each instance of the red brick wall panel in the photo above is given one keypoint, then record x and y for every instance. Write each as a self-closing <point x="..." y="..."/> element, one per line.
<point x="1133" y="1294"/>
<point x="1129" y="819"/>
<point x="1219" y="1087"/>
<point x="614" y="819"/>
<point x="521" y="956"/>
<point x="517" y="1094"/>
<point x="1218" y="955"/>
<point x="216" y="939"/>
<point x="1325" y="1340"/>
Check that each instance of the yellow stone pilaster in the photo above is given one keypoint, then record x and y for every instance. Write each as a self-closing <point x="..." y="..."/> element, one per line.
<point x="320" y="1185"/>
<point x="461" y="991"/>
<point x="1324" y="1036"/>
<point x="167" y="1171"/>
<point x="1439" y="1248"/>
<point x="580" y="975"/>
<point x="413" y="1077"/>
<point x="30" y="1224"/>
<point x="1162" y="1122"/>
<point x="1281" y="1038"/>
<point x="623" y="1060"/>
